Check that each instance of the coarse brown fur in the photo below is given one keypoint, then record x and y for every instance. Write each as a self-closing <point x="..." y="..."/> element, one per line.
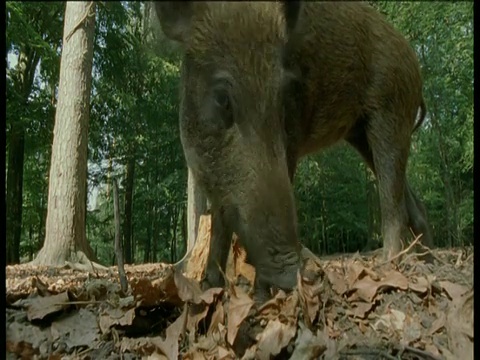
<point x="245" y="121"/>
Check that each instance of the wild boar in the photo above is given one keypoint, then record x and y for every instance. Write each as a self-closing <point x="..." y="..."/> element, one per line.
<point x="264" y="84"/>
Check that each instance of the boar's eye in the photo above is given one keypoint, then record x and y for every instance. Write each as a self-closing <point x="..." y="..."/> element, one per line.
<point x="223" y="104"/>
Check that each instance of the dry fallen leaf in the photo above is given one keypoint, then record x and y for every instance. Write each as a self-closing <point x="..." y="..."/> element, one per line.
<point x="210" y="295"/>
<point x="308" y="296"/>
<point x="366" y="288"/>
<point x="460" y="326"/>
<point x="169" y="346"/>
<point x="116" y="316"/>
<point x="188" y="289"/>
<point x="337" y="280"/>
<point x="217" y="318"/>
<point x="272" y="308"/>
<point x="77" y="329"/>
<point x="22" y="337"/>
<point x="238" y="308"/>
<point x="274" y="338"/>
<point x="43" y="306"/>
<point x="360" y="309"/>
<point x="307" y="345"/>
<point x="453" y="290"/>
<point x="438" y="324"/>
<point x="394" y="319"/>
<point x="419" y="284"/>
<point x="394" y="279"/>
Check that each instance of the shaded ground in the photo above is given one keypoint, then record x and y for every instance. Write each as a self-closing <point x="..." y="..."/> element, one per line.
<point x="350" y="307"/>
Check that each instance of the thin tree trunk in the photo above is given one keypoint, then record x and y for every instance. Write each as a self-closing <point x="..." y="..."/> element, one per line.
<point x="173" y="245"/>
<point x="184" y="224"/>
<point x="196" y="206"/>
<point x="148" y="241"/>
<point x="65" y="223"/>
<point x="118" y="242"/>
<point x="15" y="193"/>
<point x="23" y="76"/>
<point x="127" y="223"/>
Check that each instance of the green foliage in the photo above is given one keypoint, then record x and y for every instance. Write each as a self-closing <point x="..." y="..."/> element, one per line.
<point x="138" y="118"/>
<point x="34" y="29"/>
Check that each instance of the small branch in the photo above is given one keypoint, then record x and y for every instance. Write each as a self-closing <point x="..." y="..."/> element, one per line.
<point x="118" y="243"/>
<point x="421" y="353"/>
<point x="80" y="22"/>
<point x="401" y="253"/>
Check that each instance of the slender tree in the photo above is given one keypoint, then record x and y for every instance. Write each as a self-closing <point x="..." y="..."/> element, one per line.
<point x="65" y="223"/>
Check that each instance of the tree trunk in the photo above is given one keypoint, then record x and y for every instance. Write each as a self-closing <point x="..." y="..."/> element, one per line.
<point x="173" y="242"/>
<point x="65" y="223"/>
<point x="196" y="206"/>
<point x="127" y="223"/>
<point x="148" y="241"/>
<point x="184" y="224"/>
<point x="15" y="192"/>
<point x="23" y="76"/>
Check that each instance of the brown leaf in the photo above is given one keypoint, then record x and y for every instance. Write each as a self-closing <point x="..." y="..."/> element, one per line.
<point x="271" y="308"/>
<point x="211" y="294"/>
<point x="337" y="280"/>
<point x="460" y="326"/>
<point x="438" y="324"/>
<point x="153" y="292"/>
<point x="419" y="284"/>
<point x="354" y="273"/>
<point x="308" y="345"/>
<point x="42" y="288"/>
<point x="366" y="288"/>
<point x="412" y="330"/>
<point x="238" y="308"/>
<point x="393" y="319"/>
<point x="360" y="309"/>
<point x="274" y="338"/>
<point x="22" y="336"/>
<point x="116" y="316"/>
<point x="196" y="313"/>
<point x="188" y="289"/>
<point x="453" y="290"/>
<point x="289" y="309"/>
<point x="169" y="346"/>
<point x="217" y="318"/>
<point x="77" y="329"/>
<point x="394" y="279"/>
<point x="224" y="354"/>
<point x="43" y="306"/>
<point x="308" y="294"/>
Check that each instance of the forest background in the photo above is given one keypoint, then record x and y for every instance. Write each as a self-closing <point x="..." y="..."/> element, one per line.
<point x="133" y="137"/>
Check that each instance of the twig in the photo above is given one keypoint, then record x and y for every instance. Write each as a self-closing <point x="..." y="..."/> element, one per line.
<point x="423" y="354"/>
<point x="79" y="23"/>
<point x="118" y="243"/>
<point x="379" y="354"/>
<point x="401" y="253"/>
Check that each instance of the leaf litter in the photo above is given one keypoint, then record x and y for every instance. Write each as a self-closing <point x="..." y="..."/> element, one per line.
<point x="344" y="307"/>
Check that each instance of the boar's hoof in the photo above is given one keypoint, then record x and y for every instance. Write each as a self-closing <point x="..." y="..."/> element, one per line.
<point x="212" y="280"/>
<point x="285" y="280"/>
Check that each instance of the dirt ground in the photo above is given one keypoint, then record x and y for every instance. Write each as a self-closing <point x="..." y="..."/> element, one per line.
<point x="344" y="307"/>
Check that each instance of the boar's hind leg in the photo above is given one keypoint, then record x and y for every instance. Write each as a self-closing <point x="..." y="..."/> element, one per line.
<point x="386" y="151"/>
<point x="417" y="220"/>
<point x="220" y="243"/>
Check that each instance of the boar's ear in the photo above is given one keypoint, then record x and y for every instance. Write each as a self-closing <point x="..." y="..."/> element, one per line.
<point x="175" y="18"/>
<point x="292" y="11"/>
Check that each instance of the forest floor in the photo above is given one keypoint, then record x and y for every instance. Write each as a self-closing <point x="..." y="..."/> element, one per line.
<point x="345" y="307"/>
